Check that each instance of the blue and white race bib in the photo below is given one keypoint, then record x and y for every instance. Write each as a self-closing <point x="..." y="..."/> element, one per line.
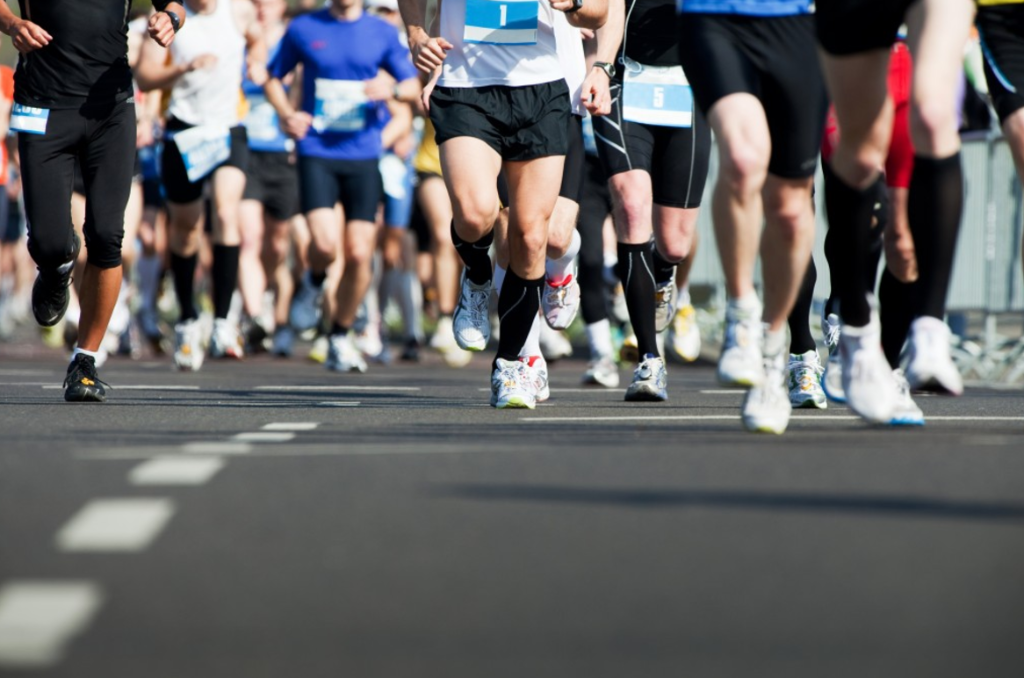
<point x="29" y="120"/>
<point x="263" y="127"/>
<point x="202" y="149"/>
<point x="340" y="106"/>
<point x="656" y="95"/>
<point x="502" y="22"/>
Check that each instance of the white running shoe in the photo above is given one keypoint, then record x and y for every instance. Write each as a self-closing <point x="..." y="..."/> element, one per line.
<point x="560" y="304"/>
<point x="741" y="362"/>
<point x="226" y="341"/>
<point x="471" y="324"/>
<point x="539" y="368"/>
<point x="929" y="364"/>
<point x="650" y="381"/>
<point x="512" y="385"/>
<point x="867" y="378"/>
<point x="343" y="356"/>
<point x="320" y="348"/>
<point x="664" y="304"/>
<point x="805" y="372"/>
<point x="444" y="335"/>
<point x="188" y="345"/>
<point x="684" y="334"/>
<point x="553" y="344"/>
<point x="602" y="372"/>
<point x="907" y="413"/>
<point x="832" y="382"/>
<point x="766" y="408"/>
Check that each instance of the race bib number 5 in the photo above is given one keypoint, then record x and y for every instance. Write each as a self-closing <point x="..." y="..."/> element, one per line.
<point x="656" y="95"/>
<point x="340" y="106"/>
<point x="203" y="149"/>
<point x="29" y="120"/>
<point x="502" y="22"/>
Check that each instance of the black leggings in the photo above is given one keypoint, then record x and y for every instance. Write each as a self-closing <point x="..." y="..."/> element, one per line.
<point x="595" y="206"/>
<point x="102" y="140"/>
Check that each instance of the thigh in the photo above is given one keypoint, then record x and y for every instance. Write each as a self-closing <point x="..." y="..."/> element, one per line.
<point x="318" y="186"/>
<point x="470" y="170"/>
<point x="1002" y="39"/>
<point x="47" y="175"/>
<point x="680" y="166"/>
<point x="540" y="121"/>
<point x="177" y="187"/>
<point x="256" y="178"/>
<point x="533" y="190"/>
<point x="623" y="146"/>
<point x="847" y="27"/>
<point x="572" y="174"/>
<point x="280" y="199"/>
<point x="713" y="54"/>
<point x="107" y="170"/>
<point x="361" y="190"/>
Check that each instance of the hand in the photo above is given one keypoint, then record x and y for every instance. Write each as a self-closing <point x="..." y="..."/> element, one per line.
<point x="380" y="88"/>
<point x="144" y="134"/>
<point x="28" y="37"/>
<point x="202" y="62"/>
<point x="259" y="74"/>
<point x="596" y="95"/>
<point x="562" y="5"/>
<point x="900" y="255"/>
<point x="297" y="125"/>
<point x="161" y="29"/>
<point x="429" y="53"/>
<point x="404" y="147"/>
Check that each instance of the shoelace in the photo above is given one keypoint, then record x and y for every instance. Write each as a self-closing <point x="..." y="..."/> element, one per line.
<point x="556" y="296"/>
<point x="831" y="336"/>
<point x="83" y="369"/>
<point x="62" y="282"/>
<point x="477" y="304"/>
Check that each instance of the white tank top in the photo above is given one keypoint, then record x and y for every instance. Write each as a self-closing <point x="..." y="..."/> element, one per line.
<point x="209" y="96"/>
<point x="569" y="42"/>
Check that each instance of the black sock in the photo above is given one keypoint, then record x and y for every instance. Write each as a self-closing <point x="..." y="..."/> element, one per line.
<point x="801" y="341"/>
<point x="225" y="278"/>
<point x="590" y="274"/>
<point x="635" y="270"/>
<point x="849" y="229"/>
<point x="518" y="304"/>
<point x="317" y="278"/>
<point x="896" y="301"/>
<point x="475" y="256"/>
<point x="337" y="329"/>
<point x="934" y="209"/>
<point x="184" y="271"/>
<point x="663" y="269"/>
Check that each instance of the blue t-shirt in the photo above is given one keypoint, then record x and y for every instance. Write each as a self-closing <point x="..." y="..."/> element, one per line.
<point x="261" y="123"/>
<point x="767" y="8"/>
<point x="337" y="56"/>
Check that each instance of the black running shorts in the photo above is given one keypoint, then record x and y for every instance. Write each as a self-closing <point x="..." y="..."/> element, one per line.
<point x="1002" y="40"/>
<point x="573" y="173"/>
<point x="519" y="123"/>
<point x="675" y="157"/>
<point x="355" y="183"/>
<point x="774" y="59"/>
<point x="273" y="180"/>
<point x="177" y="187"/>
<point x="855" y="26"/>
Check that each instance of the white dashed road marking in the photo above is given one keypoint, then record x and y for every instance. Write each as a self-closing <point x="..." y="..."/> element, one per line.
<point x="214" y="447"/>
<point x="176" y="471"/>
<point x="736" y="417"/>
<point x="115" y="525"/>
<point x="339" y="387"/>
<point x="39" y="618"/>
<point x="264" y="437"/>
<point x="141" y="387"/>
<point x="291" y="426"/>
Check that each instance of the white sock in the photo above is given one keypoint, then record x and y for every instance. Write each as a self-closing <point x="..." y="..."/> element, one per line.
<point x="774" y="342"/>
<point x="744" y="306"/>
<point x="599" y="338"/>
<point x="498" y="279"/>
<point x="683" y="295"/>
<point x="532" y="345"/>
<point x="557" y="270"/>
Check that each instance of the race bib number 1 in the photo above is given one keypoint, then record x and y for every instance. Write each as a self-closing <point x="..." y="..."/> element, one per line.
<point x="502" y="22"/>
<point x="29" y="120"/>
<point x="656" y="95"/>
<point x="340" y="106"/>
<point x="203" y="149"/>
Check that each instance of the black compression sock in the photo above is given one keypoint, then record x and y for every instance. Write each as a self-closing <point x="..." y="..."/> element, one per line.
<point x="896" y="300"/>
<point x="225" y="278"/>
<point x="592" y="290"/>
<point x="518" y="304"/>
<point x="635" y="270"/>
<point x="801" y="340"/>
<point x="475" y="256"/>
<point x="337" y="329"/>
<point x="184" y="271"/>
<point x="934" y="209"/>
<point x="849" y="229"/>
<point x="663" y="268"/>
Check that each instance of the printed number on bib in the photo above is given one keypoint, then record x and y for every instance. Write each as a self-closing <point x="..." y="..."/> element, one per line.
<point x="502" y="22"/>
<point x="341" y="106"/>
<point x="29" y="120"/>
<point x="203" y="149"/>
<point x="263" y="127"/>
<point x="656" y="95"/>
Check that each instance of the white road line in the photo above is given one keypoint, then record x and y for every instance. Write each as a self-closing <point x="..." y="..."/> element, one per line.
<point x="736" y="417"/>
<point x="214" y="447"/>
<point x="339" y="403"/>
<point x="24" y="373"/>
<point x="175" y="471"/>
<point x="263" y="437"/>
<point x="290" y="426"/>
<point x="115" y="525"/>
<point x="142" y="387"/>
<point x="339" y="387"/>
<point x="592" y="389"/>
<point x="38" y="618"/>
<point x="734" y="391"/>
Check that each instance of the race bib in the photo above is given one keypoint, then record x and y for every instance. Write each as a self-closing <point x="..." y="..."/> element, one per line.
<point x="340" y="106"/>
<point x="29" y="120"/>
<point x="263" y="127"/>
<point x="502" y="22"/>
<point x="393" y="172"/>
<point x="656" y="95"/>
<point x="203" y="149"/>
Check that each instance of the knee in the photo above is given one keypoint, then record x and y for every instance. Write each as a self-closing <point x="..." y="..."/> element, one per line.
<point x="676" y="250"/>
<point x="51" y="253"/>
<point x="744" y="168"/>
<point x="932" y="126"/>
<point x="788" y="213"/>
<point x="475" y="222"/>
<point x="531" y="241"/>
<point x="359" y="252"/>
<point x="103" y="249"/>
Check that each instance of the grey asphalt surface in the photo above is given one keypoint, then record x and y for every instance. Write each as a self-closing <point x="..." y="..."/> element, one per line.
<point x="420" y="533"/>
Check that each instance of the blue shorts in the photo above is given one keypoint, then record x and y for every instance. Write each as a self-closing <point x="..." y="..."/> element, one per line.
<point x="398" y="191"/>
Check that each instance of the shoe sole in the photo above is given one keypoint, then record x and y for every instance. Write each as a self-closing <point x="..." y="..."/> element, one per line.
<point x="934" y="386"/>
<point x="602" y="384"/>
<point x="645" y="397"/>
<point x="515" y="403"/>
<point x="808" y="404"/>
<point x="896" y="421"/>
<point x="755" y="427"/>
<point x="741" y="382"/>
<point x="86" y="395"/>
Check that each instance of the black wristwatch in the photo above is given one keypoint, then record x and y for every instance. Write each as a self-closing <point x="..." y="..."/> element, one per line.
<point x="577" y="5"/>
<point x="175" y="20"/>
<point x="608" y="68"/>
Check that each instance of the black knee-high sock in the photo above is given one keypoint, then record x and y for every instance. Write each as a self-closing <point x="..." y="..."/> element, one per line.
<point x="184" y="271"/>
<point x="475" y="256"/>
<point x="518" y="304"/>
<point x="636" y="271"/>
<point x="849" y="229"/>
<point x="801" y="341"/>
<point x="934" y="209"/>
<point x="663" y="268"/>
<point x="896" y="300"/>
<point x="225" y="278"/>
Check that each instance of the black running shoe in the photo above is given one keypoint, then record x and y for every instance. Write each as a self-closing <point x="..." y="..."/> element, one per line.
<point x="82" y="385"/>
<point x="50" y="292"/>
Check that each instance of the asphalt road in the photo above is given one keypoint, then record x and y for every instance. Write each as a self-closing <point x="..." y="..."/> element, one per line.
<point x="267" y="518"/>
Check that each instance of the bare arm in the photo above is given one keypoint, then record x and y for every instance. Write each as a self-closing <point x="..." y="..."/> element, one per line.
<point x="427" y="53"/>
<point x="160" y="27"/>
<point x="294" y="122"/>
<point x="255" y="42"/>
<point x="399" y="125"/>
<point x="593" y="13"/>
<point x="25" y="35"/>
<point x="608" y="39"/>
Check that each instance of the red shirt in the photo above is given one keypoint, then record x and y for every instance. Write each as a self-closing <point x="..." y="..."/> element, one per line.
<point x="7" y="92"/>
